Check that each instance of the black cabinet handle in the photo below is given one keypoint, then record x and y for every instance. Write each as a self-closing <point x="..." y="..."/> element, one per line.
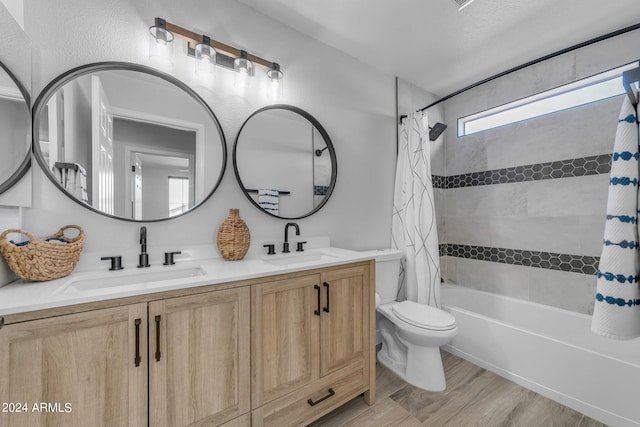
<point x="317" y="288"/>
<point x="312" y="403"/>
<point x="157" y="318"/>
<point x="137" y="359"/>
<point x="326" y="309"/>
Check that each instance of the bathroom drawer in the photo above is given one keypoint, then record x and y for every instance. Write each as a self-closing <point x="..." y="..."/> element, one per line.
<point x="294" y="409"/>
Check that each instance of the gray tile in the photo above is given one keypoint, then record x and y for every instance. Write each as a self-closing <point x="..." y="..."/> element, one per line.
<point x="586" y="195"/>
<point x="503" y="279"/>
<point x="591" y="234"/>
<point x="439" y="197"/>
<point x="490" y="200"/>
<point x="531" y="142"/>
<point x="468" y="230"/>
<point x="467" y="154"/>
<point x="546" y="233"/>
<point x="450" y="269"/>
<point x="570" y="291"/>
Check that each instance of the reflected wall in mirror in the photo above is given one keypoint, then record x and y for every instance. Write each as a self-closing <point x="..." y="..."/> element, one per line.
<point x="285" y="162"/>
<point x="15" y="130"/>
<point x="129" y="141"/>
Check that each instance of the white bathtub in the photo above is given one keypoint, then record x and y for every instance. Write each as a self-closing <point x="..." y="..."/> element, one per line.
<point x="548" y="350"/>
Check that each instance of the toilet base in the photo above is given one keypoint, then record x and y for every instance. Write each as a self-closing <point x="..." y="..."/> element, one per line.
<point x="423" y="368"/>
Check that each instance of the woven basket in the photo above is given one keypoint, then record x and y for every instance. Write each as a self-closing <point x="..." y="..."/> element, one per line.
<point x="233" y="237"/>
<point x="40" y="260"/>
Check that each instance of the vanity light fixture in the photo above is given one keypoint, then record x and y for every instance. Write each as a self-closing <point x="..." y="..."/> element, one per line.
<point x="160" y="43"/>
<point x="275" y="77"/>
<point x="244" y="69"/>
<point x="205" y="57"/>
<point x="209" y="53"/>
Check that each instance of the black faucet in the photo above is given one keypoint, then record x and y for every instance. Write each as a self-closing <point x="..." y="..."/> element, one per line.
<point x="144" y="256"/>
<point x="285" y="246"/>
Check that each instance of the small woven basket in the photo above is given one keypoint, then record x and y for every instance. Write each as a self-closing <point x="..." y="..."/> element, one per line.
<point x="40" y="260"/>
<point x="233" y="237"/>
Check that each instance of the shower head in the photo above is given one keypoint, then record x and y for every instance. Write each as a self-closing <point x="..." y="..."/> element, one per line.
<point x="462" y="3"/>
<point x="436" y="130"/>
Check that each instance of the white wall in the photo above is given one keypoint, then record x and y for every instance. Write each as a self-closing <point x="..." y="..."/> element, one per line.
<point x="353" y="102"/>
<point x="15" y="55"/>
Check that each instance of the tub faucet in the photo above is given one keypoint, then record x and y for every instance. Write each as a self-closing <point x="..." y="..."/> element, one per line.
<point x="285" y="246"/>
<point x="143" y="258"/>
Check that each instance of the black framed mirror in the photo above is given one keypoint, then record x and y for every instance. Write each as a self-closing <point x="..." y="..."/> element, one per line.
<point x="285" y="162"/>
<point x="128" y="141"/>
<point x="15" y="129"/>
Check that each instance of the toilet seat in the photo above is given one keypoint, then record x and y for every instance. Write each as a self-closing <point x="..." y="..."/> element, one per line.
<point x="424" y="316"/>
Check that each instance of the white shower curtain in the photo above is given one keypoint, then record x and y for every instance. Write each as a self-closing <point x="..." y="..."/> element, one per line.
<point x="617" y="307"/>
<point x="413" y="227"/>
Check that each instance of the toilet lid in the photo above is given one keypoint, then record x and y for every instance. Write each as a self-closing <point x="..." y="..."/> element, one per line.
<point x="424" y="316"/>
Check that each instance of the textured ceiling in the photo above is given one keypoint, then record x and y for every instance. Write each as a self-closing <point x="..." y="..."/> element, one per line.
<point x="431" y="44"/>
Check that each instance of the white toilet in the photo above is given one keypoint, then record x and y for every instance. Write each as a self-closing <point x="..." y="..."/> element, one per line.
<point x="411" y="333"/>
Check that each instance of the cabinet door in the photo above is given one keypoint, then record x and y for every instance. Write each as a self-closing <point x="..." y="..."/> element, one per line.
<point x="76" y="370"/>
<point x="285" y="352"/>
<point x="344" y="326"/>
<point x="199" y="358"/>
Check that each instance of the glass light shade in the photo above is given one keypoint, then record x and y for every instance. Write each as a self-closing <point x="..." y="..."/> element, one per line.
<point x="205" y="59"/>
<point x="160" y="45"/>
<point x="275" y="85"/>
<point x="244" y="71"/>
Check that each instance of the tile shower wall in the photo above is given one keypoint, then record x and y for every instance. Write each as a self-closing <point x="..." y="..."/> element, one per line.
<point x="525" y="203"/>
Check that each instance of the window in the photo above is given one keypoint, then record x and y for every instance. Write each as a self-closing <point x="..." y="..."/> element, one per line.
<point x="178" y="195"/>
<point x="591" y="89"/>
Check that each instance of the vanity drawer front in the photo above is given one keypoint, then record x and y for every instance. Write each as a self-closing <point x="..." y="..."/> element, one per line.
<point x="303" y="406"/>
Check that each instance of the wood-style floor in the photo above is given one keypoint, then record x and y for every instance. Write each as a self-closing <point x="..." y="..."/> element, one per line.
<point x="474" y="397"/>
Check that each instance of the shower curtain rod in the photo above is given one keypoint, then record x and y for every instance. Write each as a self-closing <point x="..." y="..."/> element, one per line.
<point x="535" y="61"/>
<point x="628" y="78"/>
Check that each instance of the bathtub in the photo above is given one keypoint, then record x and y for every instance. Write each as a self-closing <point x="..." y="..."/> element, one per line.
<point x="548" y="350"/>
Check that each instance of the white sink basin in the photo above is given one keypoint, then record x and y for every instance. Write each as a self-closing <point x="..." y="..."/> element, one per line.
<point x="114" y="280"/>
<point x="298" y="258"/>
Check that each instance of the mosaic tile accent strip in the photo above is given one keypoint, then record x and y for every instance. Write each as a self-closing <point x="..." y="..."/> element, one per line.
<point x="583" y="166"/>
<point x="547" y="260"/>
<point x="439" y="181"/>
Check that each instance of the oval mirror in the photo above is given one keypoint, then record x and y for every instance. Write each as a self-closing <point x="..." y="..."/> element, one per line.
<point x="285" y="162"/>
<point x="15" y="130"/>
<point x="128" y="141"/>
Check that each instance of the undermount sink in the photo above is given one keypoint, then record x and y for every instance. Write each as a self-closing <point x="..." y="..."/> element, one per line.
<point x="116" y="279"/>
<point x="298" y="258"/>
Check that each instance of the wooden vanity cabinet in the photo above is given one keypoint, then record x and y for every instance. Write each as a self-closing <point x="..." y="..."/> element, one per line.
<point x="311" y="344"/>
<point x="76" y="370"/>
<point x="181" y="361"/>
<point x="199" y="359"/>
<point x="275" y="351"/>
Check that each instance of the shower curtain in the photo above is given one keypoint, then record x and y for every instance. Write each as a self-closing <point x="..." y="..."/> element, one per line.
<point x="617" y="307"/>
<point x="413" y="226"/>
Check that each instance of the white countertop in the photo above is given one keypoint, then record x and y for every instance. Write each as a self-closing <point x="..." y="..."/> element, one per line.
<point x="90" y="286"/>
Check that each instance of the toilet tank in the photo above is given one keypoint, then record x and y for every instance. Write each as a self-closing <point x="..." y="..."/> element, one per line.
<point x="387" y="273"/>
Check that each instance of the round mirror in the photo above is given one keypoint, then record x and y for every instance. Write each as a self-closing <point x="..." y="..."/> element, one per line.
<point x="15" y="130"/>
<point x="285" y="162"/>
<point x="128" y="141"/>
